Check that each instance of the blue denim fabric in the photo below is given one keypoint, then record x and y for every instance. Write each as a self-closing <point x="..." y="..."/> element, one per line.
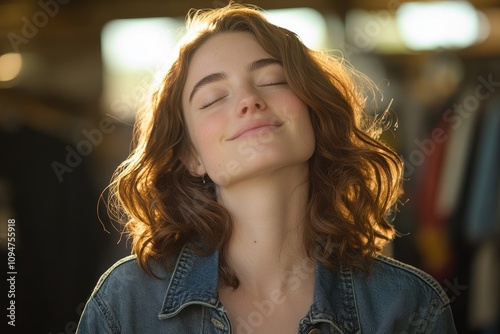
<point x="394" y="298"/>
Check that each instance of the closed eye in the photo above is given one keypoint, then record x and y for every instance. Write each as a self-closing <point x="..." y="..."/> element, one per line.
<point x="275" y="83"/>
<point x="212" y="102"/>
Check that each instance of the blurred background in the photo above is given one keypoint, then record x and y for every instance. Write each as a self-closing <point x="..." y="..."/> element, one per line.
<point x="72" y="74"/>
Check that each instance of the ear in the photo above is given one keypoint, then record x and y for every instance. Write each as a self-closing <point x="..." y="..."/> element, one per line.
<point x="194" y="164"/>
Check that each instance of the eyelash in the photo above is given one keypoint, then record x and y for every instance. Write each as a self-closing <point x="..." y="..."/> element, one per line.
<point x="276" y="83"/>
<point x="210" y="103"/>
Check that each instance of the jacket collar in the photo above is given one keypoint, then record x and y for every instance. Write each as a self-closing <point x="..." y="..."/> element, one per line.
<point x="195" y="281"/>
<point x="334" y="300"/>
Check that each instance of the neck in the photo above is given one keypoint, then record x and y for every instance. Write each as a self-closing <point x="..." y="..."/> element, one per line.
<point x="269" y="214"/>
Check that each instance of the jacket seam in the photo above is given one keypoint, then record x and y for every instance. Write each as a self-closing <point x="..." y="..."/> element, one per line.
<point x="110" y="320"/>
<point x="102" y="281"/>
<point x="177" y="274"/>
<point x="350" y="302"/>
<point x="433" y="312"/>
<point x="429" y="314"/>
<point x="426" y="278"/>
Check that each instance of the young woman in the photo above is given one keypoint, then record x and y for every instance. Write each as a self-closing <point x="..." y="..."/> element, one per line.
<point x="257" y="199"/>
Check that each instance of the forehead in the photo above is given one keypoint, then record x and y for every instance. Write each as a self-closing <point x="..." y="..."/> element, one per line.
<point x="227" y="47"/>
<point x="224" y="52"/>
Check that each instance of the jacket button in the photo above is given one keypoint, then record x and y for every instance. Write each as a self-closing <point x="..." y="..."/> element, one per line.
<point x="217" y="323"/>
<point x="314" y="331"/>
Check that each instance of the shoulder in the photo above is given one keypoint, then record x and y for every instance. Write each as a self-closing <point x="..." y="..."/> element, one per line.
<point x="126" y="283"/>
<point x="398" y="296"/>
<point x="387" y="271"/>
<point x="126" y="274"/>
<point x="125" y="289"/>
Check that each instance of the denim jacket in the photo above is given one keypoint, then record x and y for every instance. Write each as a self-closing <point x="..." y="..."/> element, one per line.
<point x="394" y="298"/>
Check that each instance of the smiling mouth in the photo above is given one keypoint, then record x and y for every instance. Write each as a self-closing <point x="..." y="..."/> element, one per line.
<point x="256" y="129"/>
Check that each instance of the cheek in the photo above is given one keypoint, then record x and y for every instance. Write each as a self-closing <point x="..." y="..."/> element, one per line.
<point x="206" y="136"/>
<point x="307" y="133"/>
<point x="305" y="129"/>
<point x="293" y="109"/>
<point x="298" y="112"/>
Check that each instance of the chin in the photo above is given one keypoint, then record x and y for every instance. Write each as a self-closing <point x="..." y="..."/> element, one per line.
<point x="260" y="167"/>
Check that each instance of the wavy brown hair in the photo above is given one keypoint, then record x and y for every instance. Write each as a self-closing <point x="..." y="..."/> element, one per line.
<point x="355" y="179"/>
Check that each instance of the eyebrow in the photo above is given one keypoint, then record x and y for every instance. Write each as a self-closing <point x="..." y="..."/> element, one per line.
<point x="253" y="66"/>
<point x="260" y="63"/>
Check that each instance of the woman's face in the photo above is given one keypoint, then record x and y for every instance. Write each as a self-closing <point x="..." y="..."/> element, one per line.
<point x="242" y="117"/>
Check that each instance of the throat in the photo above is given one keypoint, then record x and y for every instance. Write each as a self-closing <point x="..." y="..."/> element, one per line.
<point x="278" y="310"/>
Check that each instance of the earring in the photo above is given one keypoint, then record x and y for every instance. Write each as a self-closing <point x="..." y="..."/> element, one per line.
<point x="203" y="179"/>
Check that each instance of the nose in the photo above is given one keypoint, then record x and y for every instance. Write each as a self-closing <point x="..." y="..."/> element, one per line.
<point x="250" y="102"/>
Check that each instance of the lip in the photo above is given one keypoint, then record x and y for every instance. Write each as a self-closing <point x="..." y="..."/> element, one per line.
<point x="254" y="127"/>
